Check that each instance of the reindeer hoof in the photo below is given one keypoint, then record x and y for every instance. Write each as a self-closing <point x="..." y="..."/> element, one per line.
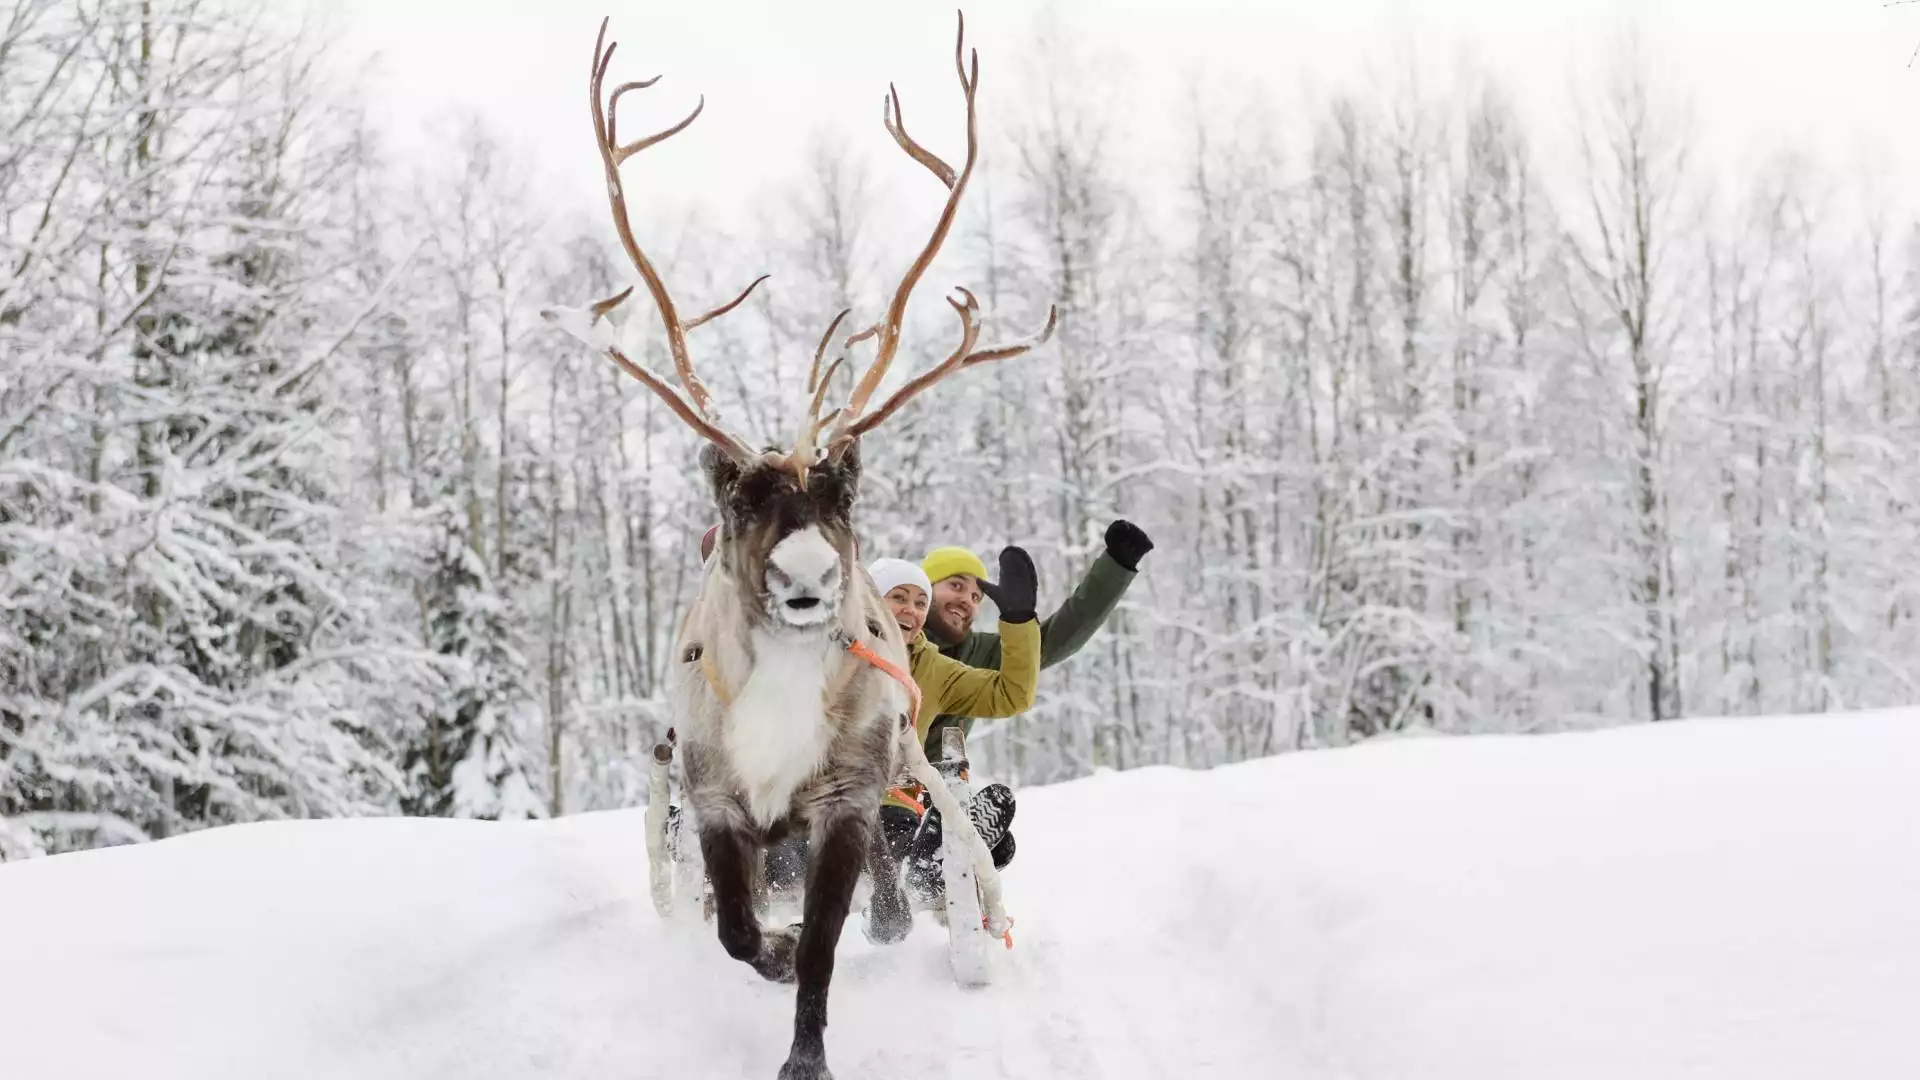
<point x="777" y="949"/>
<point x="888" y="926"/>
<point x="798" y="1069"/>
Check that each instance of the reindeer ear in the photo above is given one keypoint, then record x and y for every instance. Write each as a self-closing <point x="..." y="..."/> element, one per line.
<point x="721" y="469"/>
<point x="848" y="460"/>
<point x="833" y="486"/>
<point x="846" y="474"/>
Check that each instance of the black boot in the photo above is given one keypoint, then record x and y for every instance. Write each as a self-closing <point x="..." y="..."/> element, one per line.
<point x="1003" y="852"/>
<point x="921" y="861"/>
<point x="992" y="813"/>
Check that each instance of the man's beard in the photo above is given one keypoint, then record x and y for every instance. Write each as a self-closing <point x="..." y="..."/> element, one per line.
<point x="940" y="632"/>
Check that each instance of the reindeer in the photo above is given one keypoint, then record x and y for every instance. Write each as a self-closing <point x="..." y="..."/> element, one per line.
<point x="791" y="692"/>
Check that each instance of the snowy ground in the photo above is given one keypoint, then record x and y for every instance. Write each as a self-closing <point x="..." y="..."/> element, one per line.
<point x="1734" y="899"/>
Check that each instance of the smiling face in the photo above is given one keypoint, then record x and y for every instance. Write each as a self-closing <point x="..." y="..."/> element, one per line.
<point x="791" y="549"/>
<point x="956" y="600"/>
<point x="909" y="606"/>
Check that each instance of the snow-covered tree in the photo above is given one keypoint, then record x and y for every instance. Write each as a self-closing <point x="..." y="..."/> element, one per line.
<point x="194" y="648"/>
<point x="470" y="758"/>
<point x="305" y="511"/>
<point x="1632" y="311"/>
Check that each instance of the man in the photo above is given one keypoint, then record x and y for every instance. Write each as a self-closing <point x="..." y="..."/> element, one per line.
<point x="956" y="574"/>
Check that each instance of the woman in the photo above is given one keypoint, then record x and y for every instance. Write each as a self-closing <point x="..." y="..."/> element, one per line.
<point x="949" y="687"/>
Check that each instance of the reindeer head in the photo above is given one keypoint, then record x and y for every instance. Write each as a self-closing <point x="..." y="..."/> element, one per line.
<point x="788" y="549"/>
<point x="787" y="515"/>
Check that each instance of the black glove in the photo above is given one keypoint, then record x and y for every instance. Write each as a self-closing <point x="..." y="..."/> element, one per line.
<point x="1127" y="544"/>
<point x="1015" y="589"/>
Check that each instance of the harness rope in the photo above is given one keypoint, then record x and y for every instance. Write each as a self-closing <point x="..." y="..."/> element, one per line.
<point x="859" y="648"/>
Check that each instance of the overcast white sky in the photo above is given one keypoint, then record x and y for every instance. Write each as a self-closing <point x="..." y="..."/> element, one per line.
<point x="1829" y="75"/>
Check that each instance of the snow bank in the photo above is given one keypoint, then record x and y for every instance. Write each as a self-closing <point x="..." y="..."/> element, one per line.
<point x="1736" y="899"/>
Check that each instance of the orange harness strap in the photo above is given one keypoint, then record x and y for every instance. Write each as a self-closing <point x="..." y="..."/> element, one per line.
<point x="711" y="672"/>
<point x="859" y="648"/>
<point x="1006" y="937"/>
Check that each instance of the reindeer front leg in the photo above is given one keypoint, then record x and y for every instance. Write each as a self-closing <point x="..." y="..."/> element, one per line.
<point x="731" y="852"/>
<point x="838" y="852"/>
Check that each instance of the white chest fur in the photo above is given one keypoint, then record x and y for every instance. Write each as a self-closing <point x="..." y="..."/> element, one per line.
<point x="776" y="732"/>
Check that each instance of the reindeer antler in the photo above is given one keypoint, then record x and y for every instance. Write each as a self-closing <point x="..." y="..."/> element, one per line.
<point x="696" y="407"/>
<point x="806" y="440"/>
<point x="851" y="421"/>
<point x="854" y="422"/>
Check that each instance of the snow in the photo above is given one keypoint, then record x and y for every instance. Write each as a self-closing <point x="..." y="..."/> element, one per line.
<point x="1707" y="899"/>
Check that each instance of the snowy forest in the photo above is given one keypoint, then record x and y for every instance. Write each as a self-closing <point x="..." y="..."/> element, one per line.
<point x="305" y="510"/>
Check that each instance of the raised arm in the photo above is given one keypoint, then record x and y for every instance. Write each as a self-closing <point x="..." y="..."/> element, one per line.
<point x="1075" y="621"/>
<point x="1071" y="625"/>
<point x="960" y="690"/>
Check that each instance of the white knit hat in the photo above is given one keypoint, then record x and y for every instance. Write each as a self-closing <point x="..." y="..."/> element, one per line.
<point x="890" y="573"/>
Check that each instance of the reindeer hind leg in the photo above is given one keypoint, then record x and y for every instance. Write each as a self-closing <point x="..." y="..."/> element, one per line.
<point x="890" y="916"/>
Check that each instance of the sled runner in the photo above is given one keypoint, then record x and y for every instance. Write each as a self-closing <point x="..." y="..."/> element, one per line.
<point x="970" y="905"/>
<point x="971" y="878"/>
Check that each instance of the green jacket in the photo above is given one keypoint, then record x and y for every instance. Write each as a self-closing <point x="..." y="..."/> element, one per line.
<point x="1062" y="634"/>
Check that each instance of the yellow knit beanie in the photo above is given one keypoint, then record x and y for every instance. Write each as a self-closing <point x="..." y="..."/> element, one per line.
<point x="945" y="562"/>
